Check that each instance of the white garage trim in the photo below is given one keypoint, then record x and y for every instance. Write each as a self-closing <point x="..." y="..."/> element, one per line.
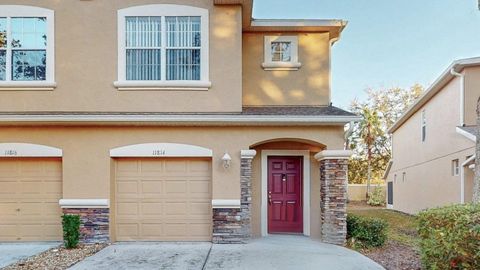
<point x="225" y="203"/>
<point x="28" y="150"/>
<point x="84" y="203"/>
<point x="306" y="187"/>
<point x="161" y="150"/>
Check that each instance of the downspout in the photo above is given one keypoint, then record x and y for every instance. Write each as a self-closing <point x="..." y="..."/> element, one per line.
<point x="462" y="94"/>
<point x="462" y="178"/>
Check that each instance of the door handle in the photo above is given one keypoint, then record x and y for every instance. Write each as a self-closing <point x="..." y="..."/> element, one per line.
<point x="269" y="197"/>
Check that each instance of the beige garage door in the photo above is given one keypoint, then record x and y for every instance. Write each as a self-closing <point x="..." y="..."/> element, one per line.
<point x="29" y="194"/>
<point x="161" y="199"/>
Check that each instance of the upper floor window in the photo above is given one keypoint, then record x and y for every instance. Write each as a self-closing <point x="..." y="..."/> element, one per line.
<point x="455" y="167"/>
<point x="281" y="53"/>
<point x="162" y="47"/>
<point x="26" y="47"/>
<point x="424" y="126"/>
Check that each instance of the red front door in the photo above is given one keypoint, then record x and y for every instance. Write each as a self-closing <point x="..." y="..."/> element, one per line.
<point x="285" y="211"/>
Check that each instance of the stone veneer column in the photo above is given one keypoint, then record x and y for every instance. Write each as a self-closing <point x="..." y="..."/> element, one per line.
<point x="232" y="224"/>
<point x="333" y="194"/>
<point x="94" y="219"/>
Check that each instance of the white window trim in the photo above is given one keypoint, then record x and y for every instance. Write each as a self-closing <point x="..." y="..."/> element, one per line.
<point x="268" y="64"/>
<point x="163" y="10"/>
<point x="30" y="11"/>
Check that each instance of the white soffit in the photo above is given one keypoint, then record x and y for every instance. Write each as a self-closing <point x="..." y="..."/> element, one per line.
<point x="28" y="150"/>
<point x="161" y="150"/>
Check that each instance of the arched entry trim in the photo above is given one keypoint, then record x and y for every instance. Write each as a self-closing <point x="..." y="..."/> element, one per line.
<point x="28" y="150"/>
<point x="161" y="150"/>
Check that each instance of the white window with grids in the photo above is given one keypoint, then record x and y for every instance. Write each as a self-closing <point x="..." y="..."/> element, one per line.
<point x="163" y="47"/>
<point x="281" y="53"/>
<point x="26" y="48"/>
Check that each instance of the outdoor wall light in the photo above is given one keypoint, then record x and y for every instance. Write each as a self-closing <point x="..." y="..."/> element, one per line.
<point x="227" y="159"/>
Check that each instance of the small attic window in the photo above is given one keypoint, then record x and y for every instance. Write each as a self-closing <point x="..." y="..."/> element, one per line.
<point x="281" y="53"/>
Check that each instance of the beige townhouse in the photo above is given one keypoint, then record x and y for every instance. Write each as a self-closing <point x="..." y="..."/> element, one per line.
<point x="434" y="143"/>
<point x="157" y="120"/>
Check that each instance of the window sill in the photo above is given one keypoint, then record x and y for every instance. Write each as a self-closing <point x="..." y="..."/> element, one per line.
<point x="163" y="85"/>
<point x="282" y="66"/>
<point x="27" y="86"/>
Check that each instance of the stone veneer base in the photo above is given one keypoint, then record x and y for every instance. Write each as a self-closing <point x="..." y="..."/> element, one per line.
<point x="94" y="224"/>
<point x="333" y="203"/>
<point x="232" y="225"/>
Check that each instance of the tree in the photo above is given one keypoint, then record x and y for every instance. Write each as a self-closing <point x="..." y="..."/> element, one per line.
<point x="369" y="130"/>
<point x="369" y="138"/>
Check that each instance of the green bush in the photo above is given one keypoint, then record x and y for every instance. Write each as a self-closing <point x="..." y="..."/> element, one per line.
<point x="450" y="237"/>
<point x="377" y="197"/>
<point x="71" y="230"/>
<point x="366" y="232"/>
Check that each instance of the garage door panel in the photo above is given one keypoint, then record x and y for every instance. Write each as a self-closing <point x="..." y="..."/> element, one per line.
<point x="8" y="209"/>
<point x="7" y="186"/>
<point x="175" y="166"/>
<point x="152" y="230"/>
<point x="173" y="201"/>
<point x="127" y="231"/>
<point x="152" y="208"/>
<point x="200" y="208"/>
<point x="127" y="188"/>
<point x="176" y="208"/>
<point x="8" y="232"/>
<point x="127" y="209"/>
<point x="152" y="186"/>
<point x="29" y="210"/>
<point x="199" y="229"/>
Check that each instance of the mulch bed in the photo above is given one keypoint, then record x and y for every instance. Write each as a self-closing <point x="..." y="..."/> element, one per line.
<point x="56" y="258"/>
<point x="395" y="256"/>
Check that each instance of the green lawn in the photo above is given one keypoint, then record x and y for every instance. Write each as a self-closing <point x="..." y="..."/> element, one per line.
<point x="401" y="227"/>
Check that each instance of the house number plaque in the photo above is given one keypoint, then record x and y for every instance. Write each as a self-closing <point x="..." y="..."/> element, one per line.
<point x="10" y="153"/>
<point x="158" y="152"/>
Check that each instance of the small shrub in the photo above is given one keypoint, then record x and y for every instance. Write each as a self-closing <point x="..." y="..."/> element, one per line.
<point x="377" y="197"/>
<point x="366" y="232"/>
<point x="450" y="237"/>
<point x="71" y="230"/>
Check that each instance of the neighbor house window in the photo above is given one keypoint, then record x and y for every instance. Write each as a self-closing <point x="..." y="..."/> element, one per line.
<point x="26" y="47"/>
<point x="424" y="126"/>
<point x="163" y="46"/>
<point x="281" y="53"/>
<point x="455" y="167"/>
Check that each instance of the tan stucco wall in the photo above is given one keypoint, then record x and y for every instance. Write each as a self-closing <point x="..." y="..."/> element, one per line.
<point x="87" y="164"/>
<point x="86" y="63"/>
<point x="472" y="93"/>
<point x="310" y="85"/>
<point x="428" y="164"/>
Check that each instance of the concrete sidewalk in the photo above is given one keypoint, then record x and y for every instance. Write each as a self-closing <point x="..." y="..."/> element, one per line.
<point x="13" y="252"/>
<point x="273" y="252"/>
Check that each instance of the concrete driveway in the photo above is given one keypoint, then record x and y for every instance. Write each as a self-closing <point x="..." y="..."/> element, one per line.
<point x="13" y="252"/>
<point x="273" y="252"/>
